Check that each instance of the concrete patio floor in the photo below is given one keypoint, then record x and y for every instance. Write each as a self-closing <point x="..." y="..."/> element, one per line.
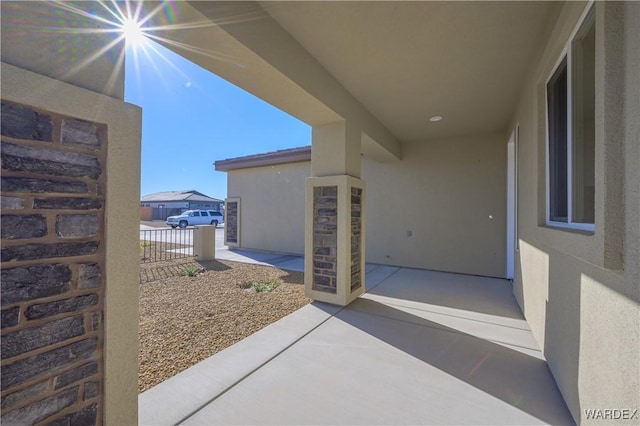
<point x="420" y="347"/>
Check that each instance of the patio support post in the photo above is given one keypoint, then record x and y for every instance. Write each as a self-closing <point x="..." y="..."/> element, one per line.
<point x="335" y="219"/>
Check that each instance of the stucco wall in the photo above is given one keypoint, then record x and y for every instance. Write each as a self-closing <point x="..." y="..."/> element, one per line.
<point x="272" y="213"/>
<point x="451" y="196"/>
<point x="579" y="292"/>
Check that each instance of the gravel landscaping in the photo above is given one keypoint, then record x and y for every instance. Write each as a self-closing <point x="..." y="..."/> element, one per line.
<point x="184" y="320"/>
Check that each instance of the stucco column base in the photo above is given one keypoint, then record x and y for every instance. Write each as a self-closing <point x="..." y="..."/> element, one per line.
<point x="204" y="242"/>
<point x="334" y="239"/>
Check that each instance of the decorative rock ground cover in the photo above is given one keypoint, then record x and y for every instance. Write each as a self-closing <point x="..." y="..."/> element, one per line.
<point x="184" y="320"/>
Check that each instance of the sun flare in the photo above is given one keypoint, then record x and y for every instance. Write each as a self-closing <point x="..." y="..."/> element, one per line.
<point x="135" y="22"/>
<point x="133" y="32"/>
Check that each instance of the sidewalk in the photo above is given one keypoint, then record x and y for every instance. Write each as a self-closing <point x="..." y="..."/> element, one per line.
<point x="278" y="260"/>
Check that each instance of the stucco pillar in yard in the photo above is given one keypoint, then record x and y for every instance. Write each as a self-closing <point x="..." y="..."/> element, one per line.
<point x="204" y="242"/>
<point x="334" y="216"/>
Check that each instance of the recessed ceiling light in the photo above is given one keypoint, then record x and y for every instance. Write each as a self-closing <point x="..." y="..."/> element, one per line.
<point x="435" y="118"/>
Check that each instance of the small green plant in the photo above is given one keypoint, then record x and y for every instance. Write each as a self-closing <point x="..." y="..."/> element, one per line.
<point x="190" y="271"/>
<point x="143" y="244"/>
<point x="264" y="286"/>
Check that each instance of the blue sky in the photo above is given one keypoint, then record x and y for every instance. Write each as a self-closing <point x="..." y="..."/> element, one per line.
<point x="191" y="118"/>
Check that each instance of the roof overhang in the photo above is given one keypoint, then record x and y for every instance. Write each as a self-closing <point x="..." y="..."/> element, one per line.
<point x="387" y="66"/>
<point x="286" y="156"/>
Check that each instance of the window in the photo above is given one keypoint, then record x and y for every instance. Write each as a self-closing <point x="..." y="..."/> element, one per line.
<point x="204" y="214"/>
<point x="571" y="132"/>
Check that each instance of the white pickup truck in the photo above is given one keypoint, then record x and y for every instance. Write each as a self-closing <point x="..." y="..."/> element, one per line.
<point x="195" y="217"/>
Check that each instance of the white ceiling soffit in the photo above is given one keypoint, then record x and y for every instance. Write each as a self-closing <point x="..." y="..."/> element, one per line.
<point x="409" y="61"/>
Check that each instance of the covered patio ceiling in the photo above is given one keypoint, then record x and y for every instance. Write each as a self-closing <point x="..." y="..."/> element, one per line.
<point x="409" y="61"/>
<point x="390" y="66"/>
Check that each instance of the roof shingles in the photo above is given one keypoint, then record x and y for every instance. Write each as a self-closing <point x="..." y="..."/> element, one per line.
<point x="186" y="195"/>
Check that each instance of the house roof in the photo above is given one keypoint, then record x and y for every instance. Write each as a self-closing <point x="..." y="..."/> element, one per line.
<point x="186" y="195"/>
<point x="284" y="156"/>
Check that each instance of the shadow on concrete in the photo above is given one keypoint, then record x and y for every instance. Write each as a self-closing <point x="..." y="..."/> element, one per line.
<point x="492" y="296"/>
<point x="262" y="256"/>
<point x="521" y="380"/>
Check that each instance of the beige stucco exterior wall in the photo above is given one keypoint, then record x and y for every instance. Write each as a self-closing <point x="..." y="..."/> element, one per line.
<point x="451" y="195"/>
<point x="272" y="214"/>
<point x="580" y="293"/>
<point x="121" y="217"/>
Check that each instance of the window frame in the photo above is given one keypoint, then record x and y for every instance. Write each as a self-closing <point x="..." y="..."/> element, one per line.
<point x="516" y="195"/>
<point x="566" y="53"/>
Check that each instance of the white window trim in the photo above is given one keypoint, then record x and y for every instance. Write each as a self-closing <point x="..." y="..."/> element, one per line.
<point x="566" y="52"/>
<point x="512" y="201"/>
<point x="517" y="184"/>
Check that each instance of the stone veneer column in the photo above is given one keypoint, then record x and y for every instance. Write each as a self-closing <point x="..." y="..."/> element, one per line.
<point x="334" y="255"/>
<point x="232" y="222"/>
<point x="334" y="226"/>
<point x="53" y="261"/>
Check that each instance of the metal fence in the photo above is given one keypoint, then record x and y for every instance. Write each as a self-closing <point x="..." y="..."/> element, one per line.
<point x="165" y="244"/>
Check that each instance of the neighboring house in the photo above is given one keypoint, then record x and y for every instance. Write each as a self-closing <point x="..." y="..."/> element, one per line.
<point x="271" y="191"/>
<point x="160" y="205"/>
<point x="495" y="138"/>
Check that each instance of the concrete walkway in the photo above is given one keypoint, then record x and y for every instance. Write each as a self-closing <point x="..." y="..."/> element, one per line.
<point x="279" y="260"/>
<point x="420" y="347"/>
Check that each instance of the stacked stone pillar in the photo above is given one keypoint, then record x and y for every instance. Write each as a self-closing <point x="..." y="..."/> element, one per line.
<point x="53" y="263"/>
<point x="232" y="222"/>
<point x="334" y="227"/>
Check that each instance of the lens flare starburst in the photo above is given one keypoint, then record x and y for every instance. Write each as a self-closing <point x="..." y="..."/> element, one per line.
<point x="108" y="30"/>
<point x="133" y="32"/>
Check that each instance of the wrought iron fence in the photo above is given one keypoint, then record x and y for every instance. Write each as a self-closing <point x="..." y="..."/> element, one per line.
<point x="165" y="244"/>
